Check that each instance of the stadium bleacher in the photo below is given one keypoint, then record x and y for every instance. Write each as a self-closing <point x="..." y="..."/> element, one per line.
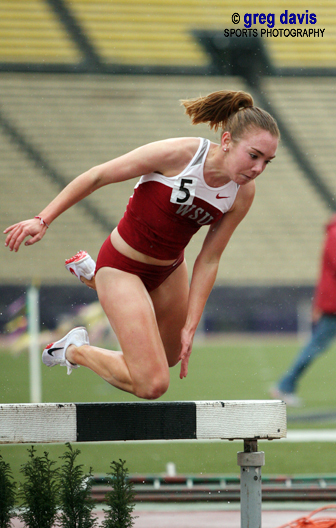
<point x="134" y="31"/>
<point x="140" y="32"/>
<point x="30" y="32"/>
<point x="77" y="121"/>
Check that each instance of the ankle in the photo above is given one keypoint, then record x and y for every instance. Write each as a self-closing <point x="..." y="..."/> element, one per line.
<point x="90" y="283"/>
<point x="70" y="354"/>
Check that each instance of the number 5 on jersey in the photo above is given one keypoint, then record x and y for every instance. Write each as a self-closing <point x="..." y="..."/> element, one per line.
<point x="183" y="191"/>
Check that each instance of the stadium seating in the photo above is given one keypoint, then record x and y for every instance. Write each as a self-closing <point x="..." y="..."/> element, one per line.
<point x="156" y="33"/>
<point x="135" y="31"/>
<point x="77" y="121"/>
<point x="30" y="32"/>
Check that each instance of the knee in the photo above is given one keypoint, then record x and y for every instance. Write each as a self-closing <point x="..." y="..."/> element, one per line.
<point x="154" y="388"/>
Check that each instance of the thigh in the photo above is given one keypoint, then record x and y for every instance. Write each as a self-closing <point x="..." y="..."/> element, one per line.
<point x="130" y="311"/>
<point x="170" y="302"/>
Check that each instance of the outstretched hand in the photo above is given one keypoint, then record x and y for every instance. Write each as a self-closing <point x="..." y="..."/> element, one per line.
<point x="187" y="342"/>
<point x="18" y="232"/>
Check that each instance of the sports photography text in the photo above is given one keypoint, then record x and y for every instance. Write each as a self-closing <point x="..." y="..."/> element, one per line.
<point x="301" y="24"/>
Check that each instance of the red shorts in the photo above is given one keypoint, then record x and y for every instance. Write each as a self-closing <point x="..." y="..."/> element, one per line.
<point x="152" y="276"/>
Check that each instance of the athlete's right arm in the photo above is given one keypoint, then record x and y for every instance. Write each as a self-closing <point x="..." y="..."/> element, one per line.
<point x="152" y="157"/>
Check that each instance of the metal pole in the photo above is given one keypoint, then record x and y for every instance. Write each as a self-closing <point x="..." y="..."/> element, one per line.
<point x="34" y="346"/>
<point x="250" y="462"/>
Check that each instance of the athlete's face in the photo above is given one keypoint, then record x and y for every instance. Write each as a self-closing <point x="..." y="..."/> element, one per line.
<point x="245" y="159"/>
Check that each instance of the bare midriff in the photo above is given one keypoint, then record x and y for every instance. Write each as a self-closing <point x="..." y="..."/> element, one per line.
<point x="125" y="249"/>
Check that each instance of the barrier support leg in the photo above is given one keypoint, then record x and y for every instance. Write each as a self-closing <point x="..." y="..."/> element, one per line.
<point x="250" y="462"/>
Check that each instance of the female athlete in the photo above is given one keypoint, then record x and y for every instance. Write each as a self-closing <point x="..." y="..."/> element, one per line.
<point x="141" y="276"/>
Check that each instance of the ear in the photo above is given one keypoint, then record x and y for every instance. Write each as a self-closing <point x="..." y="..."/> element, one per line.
<point x="226" y="140"/>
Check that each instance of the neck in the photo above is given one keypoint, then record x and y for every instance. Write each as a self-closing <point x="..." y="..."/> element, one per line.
<point x="214" y="167"/>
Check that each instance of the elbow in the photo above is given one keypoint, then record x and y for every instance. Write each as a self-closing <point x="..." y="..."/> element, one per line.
<point x="96" y="177"/>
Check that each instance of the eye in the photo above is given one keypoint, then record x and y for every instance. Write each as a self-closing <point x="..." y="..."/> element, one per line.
<point x="253" y="156"/>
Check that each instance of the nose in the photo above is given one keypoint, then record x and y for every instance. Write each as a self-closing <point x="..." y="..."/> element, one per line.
<point x="258" y="168"/>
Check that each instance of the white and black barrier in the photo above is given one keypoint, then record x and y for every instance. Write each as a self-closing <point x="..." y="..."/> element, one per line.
<point x="247" y="420"/>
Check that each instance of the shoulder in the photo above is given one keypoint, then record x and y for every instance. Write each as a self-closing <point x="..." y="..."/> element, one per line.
<point x="247" y="192"/>
<point x="171" y="156"/>
<point x="240" y="207"/>
<point x="245" y="197"/>
<point x="167" y="157"/>
<point x="178" y="148"/>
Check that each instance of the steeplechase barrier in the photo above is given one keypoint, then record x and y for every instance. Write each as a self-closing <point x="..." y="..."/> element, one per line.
<point x="247" y="420"/>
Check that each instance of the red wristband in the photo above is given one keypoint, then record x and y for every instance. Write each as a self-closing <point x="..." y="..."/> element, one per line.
<point x="42" y="222"/>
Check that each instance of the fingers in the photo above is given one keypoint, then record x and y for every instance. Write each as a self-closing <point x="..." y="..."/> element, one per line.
<point x="184" y="370"/>
<point x="18" y="232"/>
<point x="33" y="239"/>
<point x="184" y="357"/>
<point x="11" y="239"/>
<point x="9" y="228"/>
<point x="184" y="351"/>
<point x="18" y="241"/>
<point x="187" y="340"/>
<point x="184" y="367"/>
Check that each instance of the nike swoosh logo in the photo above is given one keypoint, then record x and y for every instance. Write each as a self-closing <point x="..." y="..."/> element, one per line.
<point x="51" y="350"/>
<point x="218" y="196"/>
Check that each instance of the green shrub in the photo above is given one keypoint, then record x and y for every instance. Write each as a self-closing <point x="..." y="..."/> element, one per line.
<point x="7" y="494"/>
<point x="39" y="491"/>
<point x="75" y="493"/>
<point x="120" y="499"/>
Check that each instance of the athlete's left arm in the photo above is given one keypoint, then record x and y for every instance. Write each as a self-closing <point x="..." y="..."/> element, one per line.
<point x="206" y="267"/>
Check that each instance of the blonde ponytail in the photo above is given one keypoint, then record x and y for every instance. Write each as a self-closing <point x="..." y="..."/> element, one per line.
<point x="231" y="111"/>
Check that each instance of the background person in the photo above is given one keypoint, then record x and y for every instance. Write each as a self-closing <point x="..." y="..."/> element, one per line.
<point x="141" y="276"/>
<point x="323" y="319"/>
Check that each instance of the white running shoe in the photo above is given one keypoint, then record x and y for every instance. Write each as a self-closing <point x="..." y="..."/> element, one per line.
<point x="290" y="399"/>
<point x="81" y="265"/>
<point x="54" y="354"/>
